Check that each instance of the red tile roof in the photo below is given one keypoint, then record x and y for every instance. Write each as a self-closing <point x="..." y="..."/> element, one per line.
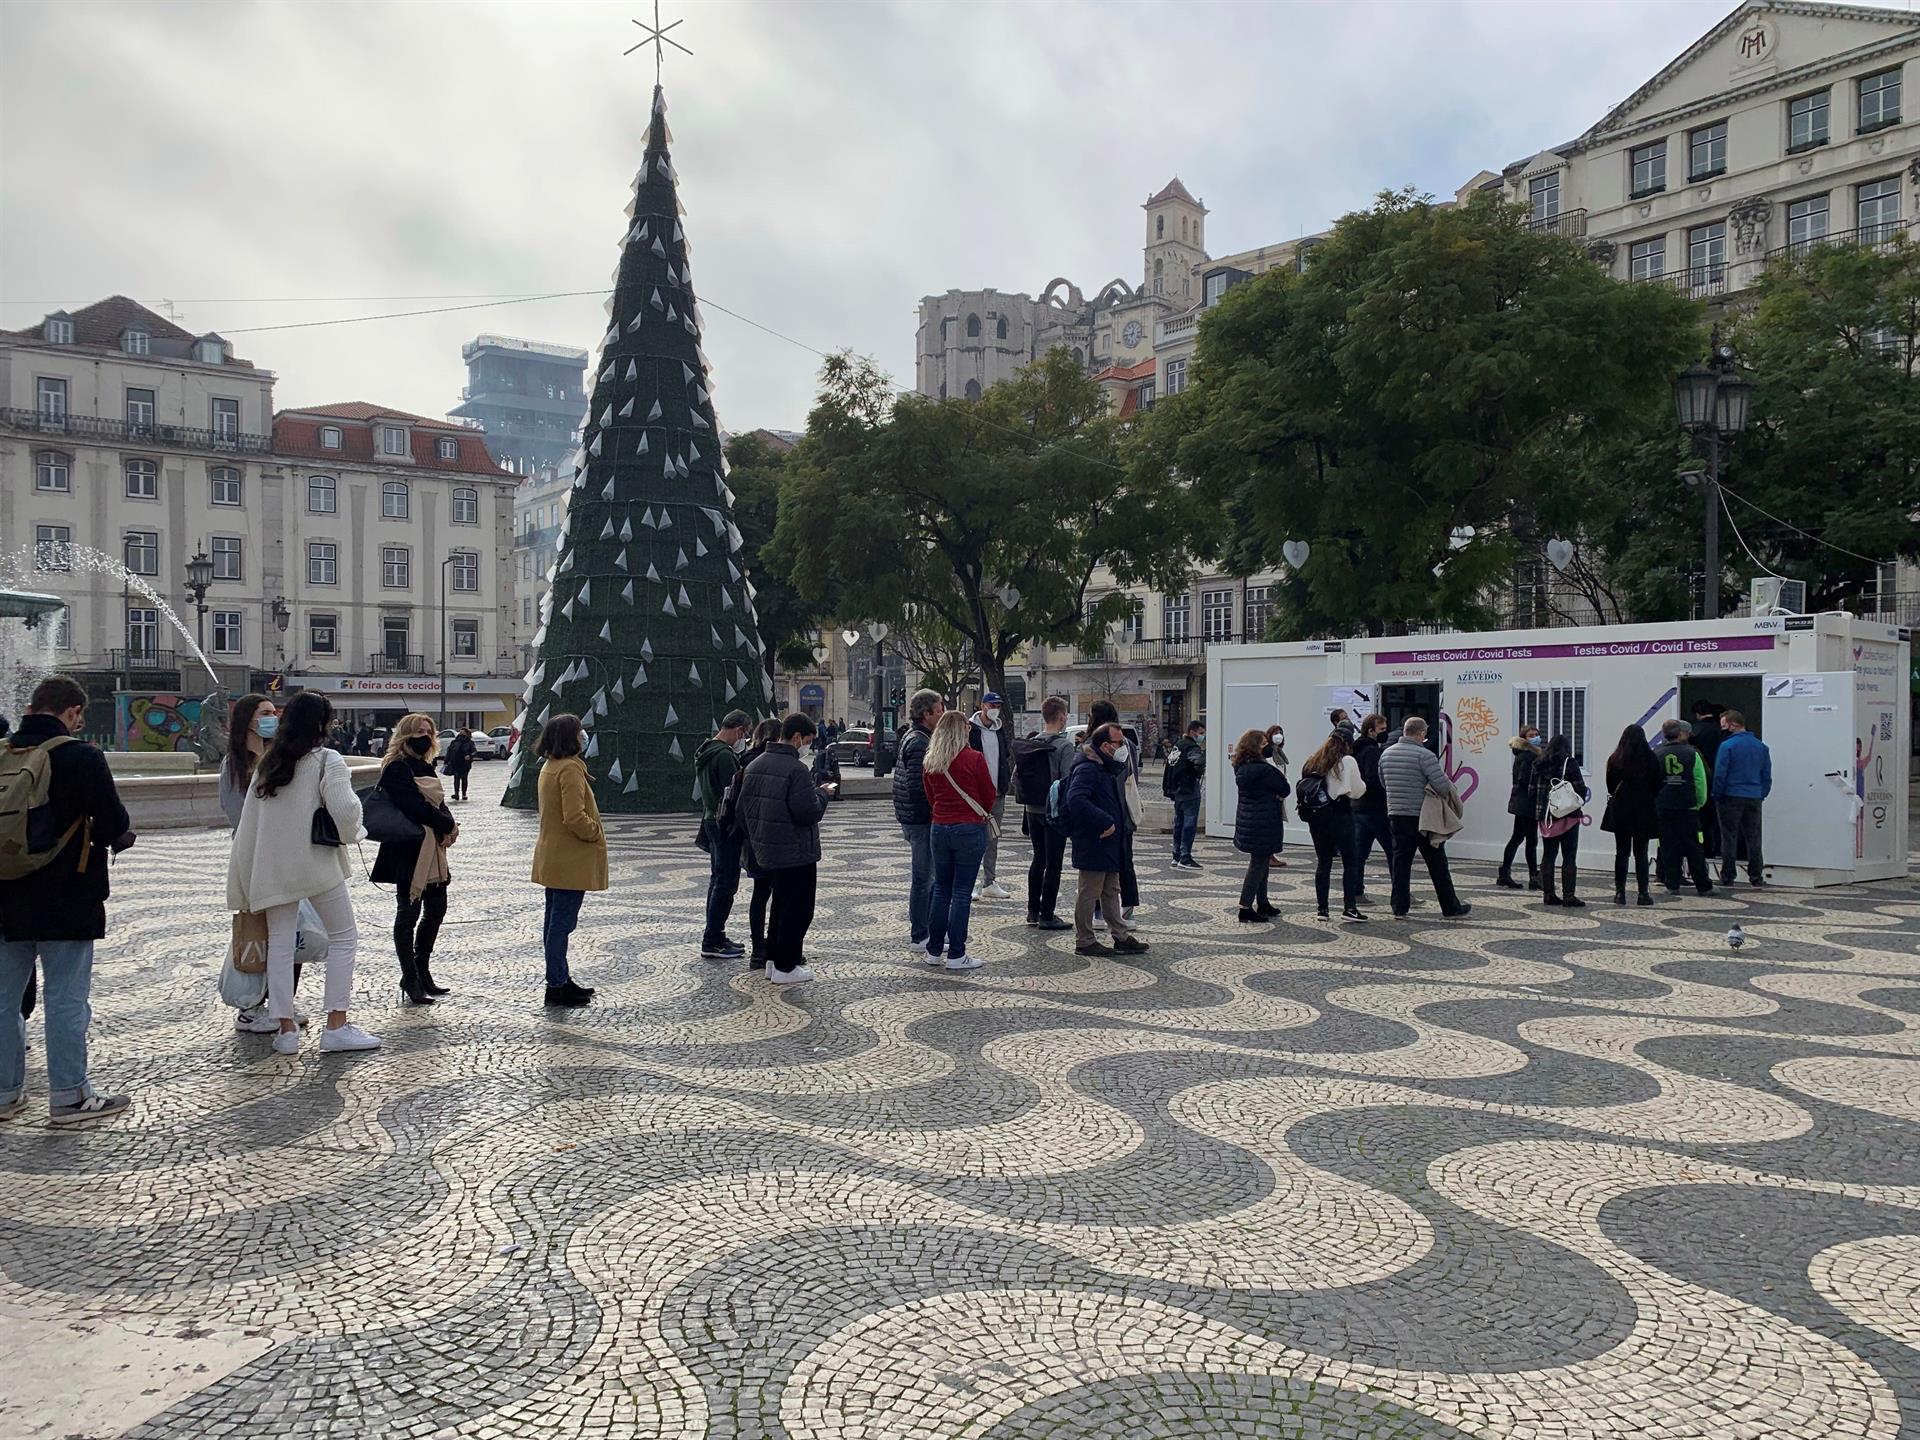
<point x="296" y="434"/>
<point x="1128" y="372"/>
<point x="363" y="410"/>
<point x="1173" y="190"/>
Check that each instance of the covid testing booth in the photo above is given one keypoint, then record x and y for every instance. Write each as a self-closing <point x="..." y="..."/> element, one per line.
<point x="1829" y="694"/>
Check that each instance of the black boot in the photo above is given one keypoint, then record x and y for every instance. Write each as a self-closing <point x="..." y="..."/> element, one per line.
<point x="1646" y="895"/>
<point x="1620" y="894"/>
<point x="1533" y="877"/>
<point x="1506" y="881"/>
<point x="427" y="982"/>
<point x="1251" y="917"/>
<point x="1552" y="897"/>
<point x="1567" y="897"/>
<point x="410" y="984"/>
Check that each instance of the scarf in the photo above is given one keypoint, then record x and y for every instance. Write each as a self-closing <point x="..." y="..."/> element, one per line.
<point x="430" y="868"/>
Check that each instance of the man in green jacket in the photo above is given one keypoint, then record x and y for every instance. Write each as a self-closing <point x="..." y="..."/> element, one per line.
<point x="1683" y="790"/>
<point x="714" y="764"/>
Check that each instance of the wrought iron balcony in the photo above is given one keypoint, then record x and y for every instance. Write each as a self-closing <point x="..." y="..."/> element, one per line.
<point x="144" y="662"/>
<point x="1883" y="236"/>
<point x="124" y="432"/>
<point x="1570" y="223"/>
<point x="1700" y="280"/>
<point x="386" y="662"/>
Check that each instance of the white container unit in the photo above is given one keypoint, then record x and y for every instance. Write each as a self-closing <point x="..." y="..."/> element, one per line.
<point x="1827" y="693"/>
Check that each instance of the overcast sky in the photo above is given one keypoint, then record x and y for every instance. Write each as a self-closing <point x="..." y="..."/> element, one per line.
<point x="264" y="164"/>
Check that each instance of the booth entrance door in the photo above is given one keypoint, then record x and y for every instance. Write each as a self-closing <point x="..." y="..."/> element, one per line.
<point x="1399" y="702"/>
<point x="1729" y="692"/>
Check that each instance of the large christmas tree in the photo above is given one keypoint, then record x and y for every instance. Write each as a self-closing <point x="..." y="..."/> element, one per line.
<point x="647" y="631"/>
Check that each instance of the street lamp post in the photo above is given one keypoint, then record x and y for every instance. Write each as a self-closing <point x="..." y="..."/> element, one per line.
<point x="1711" y="402"/>
<point x="199" y="579"/>
<point x="282" y="617"/>
<point x="443" y="638"/>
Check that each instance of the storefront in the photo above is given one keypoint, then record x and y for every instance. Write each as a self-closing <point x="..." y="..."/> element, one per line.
<point x="482" y="702"/>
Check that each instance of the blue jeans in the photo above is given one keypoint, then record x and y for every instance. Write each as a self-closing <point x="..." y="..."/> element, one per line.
<point x="723" y="883"/>
<point x="563" y="913"/>
<point x="957" y="853"/>
<point x="920" y="890"/>
<point x="1186" y="824"/>
<point x="67" y="967"/>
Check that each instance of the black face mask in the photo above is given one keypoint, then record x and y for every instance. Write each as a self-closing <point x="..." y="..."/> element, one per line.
<point x="420" y="744"/>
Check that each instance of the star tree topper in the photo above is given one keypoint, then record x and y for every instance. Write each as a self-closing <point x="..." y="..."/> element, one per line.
<point x="656" y="36"/>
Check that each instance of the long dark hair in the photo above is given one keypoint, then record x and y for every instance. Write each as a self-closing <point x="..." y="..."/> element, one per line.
<point x="1323" y="760"/>
<point x="1558" y="748"/>
<point x="1633" y="757"/>
<point x="303" y="726"/>
<point x="239" y="725"/>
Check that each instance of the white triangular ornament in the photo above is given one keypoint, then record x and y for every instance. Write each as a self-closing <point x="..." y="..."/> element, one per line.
<point x="626" y="592"/>
<point x="673" y="716"/>
<point x="675" y="751"/>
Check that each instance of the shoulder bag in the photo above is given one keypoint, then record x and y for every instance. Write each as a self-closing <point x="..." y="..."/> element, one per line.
<point x="993" y="825"/>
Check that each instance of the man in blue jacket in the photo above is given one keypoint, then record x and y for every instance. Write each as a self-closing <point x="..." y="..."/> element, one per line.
<point x="1742" y="779"/>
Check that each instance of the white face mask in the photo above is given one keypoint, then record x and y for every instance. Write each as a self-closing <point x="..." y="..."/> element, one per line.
<point x="992" y="717"/>
<point x="1122" y="754"/>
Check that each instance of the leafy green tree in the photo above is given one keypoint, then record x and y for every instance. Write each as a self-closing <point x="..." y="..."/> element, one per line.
<point x="1831" y="342"/>
<point x="756" y="467"/>
<point x="995" y="516"/>
<point x="1431" y="374"/>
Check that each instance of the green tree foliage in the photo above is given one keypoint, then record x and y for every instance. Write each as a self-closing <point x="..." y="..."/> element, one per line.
<point x="786" y="620"/>
<point x="1433" y="370"/>
<point x="1831" y="343"/>
<point x="947" y="508"/>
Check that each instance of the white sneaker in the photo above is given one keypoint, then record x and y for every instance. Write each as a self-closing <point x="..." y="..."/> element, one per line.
<point x="965" y="962"/>
<point x="254" y="1020"/>
<point x="285" y="1042"/>
<point x="994" y="890"/>
<point x="348" y="1037"/>
<point x="799" y="975"/>
<point x="1127" y="914"/>
<point x="931" y="955"/>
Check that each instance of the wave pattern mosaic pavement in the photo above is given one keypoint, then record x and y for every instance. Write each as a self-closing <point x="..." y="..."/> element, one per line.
<point x="1537" y="1174"/>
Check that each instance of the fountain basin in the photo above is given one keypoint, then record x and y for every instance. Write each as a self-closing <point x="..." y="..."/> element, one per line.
<point x="29" y="605"/>
<point x="192" y="801"/>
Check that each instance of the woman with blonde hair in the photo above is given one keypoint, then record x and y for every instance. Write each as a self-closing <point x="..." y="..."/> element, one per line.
<point x="416" y="868"/>
<point x="570" y="857"/>
<point x="960" y="791"/>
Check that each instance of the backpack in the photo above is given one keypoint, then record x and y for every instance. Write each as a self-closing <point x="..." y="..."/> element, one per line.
<point x="1310" y="796"/>
<point x="1057" y="803"/>
<point x="726" y="815"/>
<point x="26" y="778"/>
<point x="1175" y="772"/>
<point x="1032" y="769"/>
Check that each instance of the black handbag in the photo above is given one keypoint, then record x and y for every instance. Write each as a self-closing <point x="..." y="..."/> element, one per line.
<point x="386" y="823"/>
<point x="325" y="832"/>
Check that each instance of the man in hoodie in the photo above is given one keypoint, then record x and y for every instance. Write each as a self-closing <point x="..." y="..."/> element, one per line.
<point x="1188" y="767"/>
<point x="984" y="733"/>
<point x="713" y="766"/>
<point x="1676" y="807"/>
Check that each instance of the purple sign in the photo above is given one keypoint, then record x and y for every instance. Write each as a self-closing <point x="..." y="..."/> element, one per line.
<point x="1582" y="650"/>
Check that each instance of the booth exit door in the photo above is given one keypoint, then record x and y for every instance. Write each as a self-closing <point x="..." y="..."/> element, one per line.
<point x="1399" y="702"/>
<point x="1813" y="814"/>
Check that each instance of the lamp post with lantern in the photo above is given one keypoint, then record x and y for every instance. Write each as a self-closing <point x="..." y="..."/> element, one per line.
<point x="1711" y="402"/>
<point x="199" y="581"/>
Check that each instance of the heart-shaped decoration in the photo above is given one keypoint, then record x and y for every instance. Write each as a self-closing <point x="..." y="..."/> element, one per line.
<point x="1560" y="553"/>
<point x="852" y="637"/>
<point x="820" y="653"/>
<point x="1009" y="596"/>
<point x="878" y="631"/>
<point x="1296" y="552"/>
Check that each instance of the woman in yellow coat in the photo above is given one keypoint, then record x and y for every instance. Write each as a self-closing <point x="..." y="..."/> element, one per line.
<point x="570" y="857"/>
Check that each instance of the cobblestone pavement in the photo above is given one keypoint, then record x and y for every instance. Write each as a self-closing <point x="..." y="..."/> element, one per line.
<point x="1535" y="1174"/>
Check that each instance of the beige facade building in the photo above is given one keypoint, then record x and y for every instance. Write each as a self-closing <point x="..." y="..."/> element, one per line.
<point x="127" y="441"/>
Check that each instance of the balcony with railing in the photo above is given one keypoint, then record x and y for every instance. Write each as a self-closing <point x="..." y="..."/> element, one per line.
<point x="1699" y="281"/>
<point x="1570" y="223"/>
<point x="125" y="432"/>
<point x="388" y="662"/>
<point x="1883" y="236"/>
<point x="142" y="661"/>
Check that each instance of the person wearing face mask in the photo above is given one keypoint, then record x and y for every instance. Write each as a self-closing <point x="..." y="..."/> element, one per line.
<point x="417" y="869"/>
<point x="1370" y="810"/>
<point x="459" y="761"/>
<point x="985" y="735"/>
<point x="714" y="765"/>
<point x="1096" y="814"/>
<point x="1277" y="758"/>
<point x="1186" y="769"/>
<point x="1526" y="752"/>
<point x="53" y="901"/>
<point x="1104" y="712"/>
<point x="254" y="723"/>
<point x="1261" y="786"/>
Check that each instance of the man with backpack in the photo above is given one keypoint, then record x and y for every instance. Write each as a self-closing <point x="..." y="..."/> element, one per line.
<point x="1186" y="768"/>
<point x="714" y="764"/>
<point x="60" y="818"/>
<point x="1040" y="763"/>
<point x="915" y="813"/>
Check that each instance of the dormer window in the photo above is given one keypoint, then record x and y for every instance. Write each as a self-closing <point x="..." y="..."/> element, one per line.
<point x="448" y="448"/>
<point x="59" y="330"/>
<point x="210" y="350"/>
<point x="136" y="342"/>
<point x="329" y="437"/>
<point x="393" y="440"/>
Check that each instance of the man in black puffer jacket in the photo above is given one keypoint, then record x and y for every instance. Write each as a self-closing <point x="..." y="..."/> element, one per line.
<point x="780" y="808"/>
<point x="915" y="814"/>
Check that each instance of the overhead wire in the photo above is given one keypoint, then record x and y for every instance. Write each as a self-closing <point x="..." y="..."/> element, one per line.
<point x="1788" y="524"/>
<point x="1728" y="510"/>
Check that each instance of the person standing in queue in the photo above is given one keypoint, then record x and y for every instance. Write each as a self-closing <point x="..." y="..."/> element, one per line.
<point x="1104" y="712"/>
<point x="960" y="792"/>
<point x="988" y="735"/>
<point x="1410" y="772"/>
<point x="1370" y="810"/>
<point x="1260" y="786"/>
<point x="570" y="857"/>
<point x="764" y="734"/>
<point x="1096" y="815"/>
<point x="1526" y="830"/>
<point x="1633" y="783"/>
<point x="781" y="808"/>
<point x="1186" y="772"/>
<point x="1561" y="832"/>
<point x="1683" y="790"/>
<point x="911" y="810"/>
<point x="251" y="729"/>
<point x="417" y="869"/>
<point x="714" y="766"/>
<point x="1049" y="839"/>
<point x="1329" y="783"/>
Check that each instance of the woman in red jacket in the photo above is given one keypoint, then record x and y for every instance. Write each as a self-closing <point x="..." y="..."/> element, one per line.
<point x="961" y="793"/>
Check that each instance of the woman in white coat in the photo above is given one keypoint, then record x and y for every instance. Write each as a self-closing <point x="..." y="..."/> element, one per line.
<point x="1329" y="784"/>
<point x="276" y="864"/>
